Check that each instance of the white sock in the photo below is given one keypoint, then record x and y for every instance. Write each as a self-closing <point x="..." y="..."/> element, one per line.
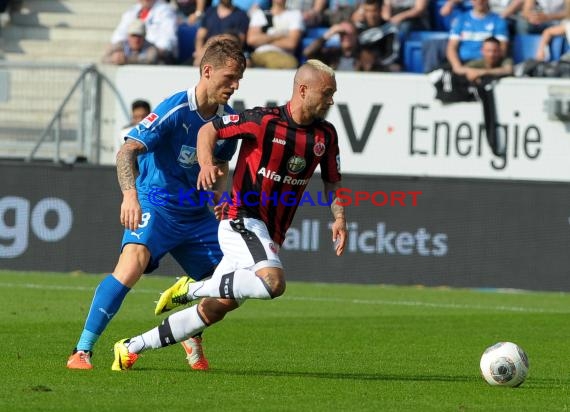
<point x="241" y="284"/>
<point x="175" y="328"/>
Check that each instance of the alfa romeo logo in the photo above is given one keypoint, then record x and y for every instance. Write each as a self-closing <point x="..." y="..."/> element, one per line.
<point x="295" y="164"/>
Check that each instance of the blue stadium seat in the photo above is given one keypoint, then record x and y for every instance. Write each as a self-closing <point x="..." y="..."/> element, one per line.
<point x="186" y="35"/>
<point x="412" y="55"/>
<point x="524" y="47"/>
<point x="558" y="46"/>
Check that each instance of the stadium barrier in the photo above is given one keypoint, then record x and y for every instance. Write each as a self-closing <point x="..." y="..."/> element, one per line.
<point x="52" y="111"/>
<point x="478" y="233"/>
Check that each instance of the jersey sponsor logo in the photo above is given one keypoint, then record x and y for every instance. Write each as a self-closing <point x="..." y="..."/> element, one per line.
<point x="279" y="141"/>
<point x="273" y="247"/>
<point x="319" y="149"/>
<point x="296" y="164"/>
<point x="187" y="156"/>
<point x="232" y="118"/>
<point x="186" y="127"/>
<point x="149" y="120"/>
<point x="270" y="174"/>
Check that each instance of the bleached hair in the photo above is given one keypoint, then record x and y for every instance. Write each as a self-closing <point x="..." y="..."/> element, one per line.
<point x="320" y="66"/>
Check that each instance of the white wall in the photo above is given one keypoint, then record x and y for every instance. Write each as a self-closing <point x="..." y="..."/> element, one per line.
<point x="386" y="122"/>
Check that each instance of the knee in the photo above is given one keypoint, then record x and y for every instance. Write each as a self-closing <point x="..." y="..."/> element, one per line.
<point x="274" y="280"/>
<point x="278" y="288"/>
<point x="132" y="263"/>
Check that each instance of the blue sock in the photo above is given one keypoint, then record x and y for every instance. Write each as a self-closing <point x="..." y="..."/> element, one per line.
<point x="106" y="302"/>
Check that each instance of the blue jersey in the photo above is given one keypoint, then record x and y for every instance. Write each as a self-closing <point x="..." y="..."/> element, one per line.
<point x="168" y="171"/>
<point x="472" y="31"/>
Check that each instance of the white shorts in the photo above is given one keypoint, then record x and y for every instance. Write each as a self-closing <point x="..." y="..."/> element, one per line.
<point x="246" y="244"/>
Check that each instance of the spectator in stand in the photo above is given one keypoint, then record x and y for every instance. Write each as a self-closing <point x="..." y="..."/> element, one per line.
<point x="313" y="11"/>
<point x="191" y="11"/>
<point x="224" y="18"/>
<point x="249" y="5"/>
<point x="134" y="50"/>
<point x="468" y="31"/>
<point x="561" y="29"/>
<point x="538" y="15"/>
<point x="342" y="10"/>
<point x="160" y="23"/>
<point x="408" y="15"/>
<point x="378" y="39"/>
<point x="275" y="36"/>
<point x="371" y="11"/>
<point x="139" y="110"/>
<point x="341" y="57"/>
<point x="457" y="6"/>
<point x="507" y="9"/>
<point x="492" y="63"/>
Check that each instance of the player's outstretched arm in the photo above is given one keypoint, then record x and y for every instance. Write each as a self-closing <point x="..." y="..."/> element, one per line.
<point x="339" y="231"/>
<point x="127" y="172"/>
<point x="209" y="171"/>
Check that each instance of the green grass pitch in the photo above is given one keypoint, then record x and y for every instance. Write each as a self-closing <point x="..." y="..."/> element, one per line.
<point x="320" y="347"/>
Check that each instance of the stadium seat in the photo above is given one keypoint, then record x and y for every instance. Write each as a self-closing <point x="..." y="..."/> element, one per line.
<point x="558" y="46"/>
<point x="412" y="57"/>
<point x="524" y="47"/>
<point x="186" y="35"/>
<point x="413" y="45"/>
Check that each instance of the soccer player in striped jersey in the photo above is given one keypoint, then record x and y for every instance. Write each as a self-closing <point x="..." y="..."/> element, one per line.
<point x="161" y="210"/>
<point x="281" y="148"/>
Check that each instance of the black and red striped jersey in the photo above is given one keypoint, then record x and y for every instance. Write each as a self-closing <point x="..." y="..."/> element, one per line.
<point x="276" y="160"/>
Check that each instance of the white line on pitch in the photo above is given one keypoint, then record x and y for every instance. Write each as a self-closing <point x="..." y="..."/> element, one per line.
<point x="519" y="309"/>
<point x="428" y="304"/>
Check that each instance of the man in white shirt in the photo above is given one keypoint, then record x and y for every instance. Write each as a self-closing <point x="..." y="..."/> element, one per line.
<point x="275" y="36"/>
<point x="160" y="23"/>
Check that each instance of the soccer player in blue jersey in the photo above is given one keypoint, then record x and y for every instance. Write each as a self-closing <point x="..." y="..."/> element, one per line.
<point x="162" y="211"/>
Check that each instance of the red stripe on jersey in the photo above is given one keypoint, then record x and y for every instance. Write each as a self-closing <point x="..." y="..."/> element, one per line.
<point x="276" y="160"/>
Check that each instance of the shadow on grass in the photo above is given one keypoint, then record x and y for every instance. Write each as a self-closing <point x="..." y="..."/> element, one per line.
<point x="354" y="376"/>
<point x="346" y="375"/>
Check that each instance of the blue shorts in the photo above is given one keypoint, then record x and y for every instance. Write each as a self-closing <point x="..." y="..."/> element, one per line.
<point x="192" y="239"/>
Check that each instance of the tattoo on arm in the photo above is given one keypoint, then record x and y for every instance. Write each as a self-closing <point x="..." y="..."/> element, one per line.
<point x="336" y="209"/>
<point x="127" y="166"/>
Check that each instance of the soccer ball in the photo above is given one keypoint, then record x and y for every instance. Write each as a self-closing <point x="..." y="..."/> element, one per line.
<point x="504" y="364"/>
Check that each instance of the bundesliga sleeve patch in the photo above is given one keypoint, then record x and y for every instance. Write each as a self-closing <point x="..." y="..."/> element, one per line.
<point x="149" y="120"/>
<point x="231" y="118"/>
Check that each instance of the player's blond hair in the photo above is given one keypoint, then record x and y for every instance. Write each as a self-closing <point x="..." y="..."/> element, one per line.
<point x="320" y="66"/>
<point x="309" y="69"/>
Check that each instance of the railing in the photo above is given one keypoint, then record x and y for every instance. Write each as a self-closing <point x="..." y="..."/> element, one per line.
<point x="52" y="111"/>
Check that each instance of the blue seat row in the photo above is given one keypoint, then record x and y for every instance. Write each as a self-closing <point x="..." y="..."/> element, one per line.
<point x="524" y="47"/>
